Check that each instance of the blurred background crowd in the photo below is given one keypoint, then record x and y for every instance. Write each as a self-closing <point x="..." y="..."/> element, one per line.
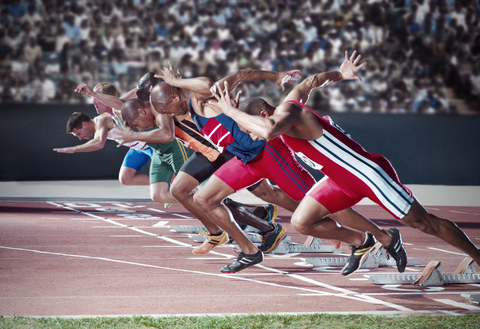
<point x="421" y="54"/>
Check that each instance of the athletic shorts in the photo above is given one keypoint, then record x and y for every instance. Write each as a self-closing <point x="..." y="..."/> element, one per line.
<point x="275" y="162"/>
<point x="164" y="165"/>
<point x="200" y="168"/>
<point x="136" y="159"/>
<point x="334" y="198"/>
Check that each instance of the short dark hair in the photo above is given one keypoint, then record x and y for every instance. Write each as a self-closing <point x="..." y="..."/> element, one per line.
<point x="75" y="121"/>
<point x="161" y="95"/>
<point x="253" y="106"/>
<point x="130" y="110"/>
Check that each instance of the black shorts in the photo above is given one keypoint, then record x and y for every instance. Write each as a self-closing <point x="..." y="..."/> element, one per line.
<point x="200" y="168"/>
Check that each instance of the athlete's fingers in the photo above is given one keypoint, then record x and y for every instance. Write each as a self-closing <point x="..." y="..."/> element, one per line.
<point x="226" y="88"/>
<point x="353" y="56"/>
<point x="214" y="93"/>
<point x="346" y="55"/>
<point x="357" y="59"/>
<point x="237" y="98"/>
<point x="170" y="66"/>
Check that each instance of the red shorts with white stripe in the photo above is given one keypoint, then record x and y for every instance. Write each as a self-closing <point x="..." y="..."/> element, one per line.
<point x="275" y="162"/>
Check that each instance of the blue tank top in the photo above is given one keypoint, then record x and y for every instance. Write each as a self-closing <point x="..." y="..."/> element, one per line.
<point x="224" y="132"/>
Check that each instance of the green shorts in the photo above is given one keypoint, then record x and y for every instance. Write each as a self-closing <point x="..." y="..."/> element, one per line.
<point x="167" y="159"/>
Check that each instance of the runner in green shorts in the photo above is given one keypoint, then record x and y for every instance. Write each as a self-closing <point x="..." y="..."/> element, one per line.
<point x="167" y="159"/>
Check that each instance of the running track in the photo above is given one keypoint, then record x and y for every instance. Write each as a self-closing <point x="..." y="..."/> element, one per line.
<point x="120" y="258"/>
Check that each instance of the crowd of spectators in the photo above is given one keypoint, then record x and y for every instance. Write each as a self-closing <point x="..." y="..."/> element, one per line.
<point x="415" y="49"/>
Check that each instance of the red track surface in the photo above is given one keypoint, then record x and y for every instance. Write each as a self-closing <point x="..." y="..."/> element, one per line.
<point x="117" y="258"/>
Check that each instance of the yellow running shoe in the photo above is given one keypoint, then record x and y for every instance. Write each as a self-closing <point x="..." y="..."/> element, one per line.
<point x="210" y="243"/>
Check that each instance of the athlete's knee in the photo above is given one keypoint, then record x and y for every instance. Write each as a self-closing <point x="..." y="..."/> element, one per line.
<point x="179" y="191"/>
<point x="125" y="180"/>
<point x="159" y="196"/>
<point x="300" y="224"/>
<point x="201" y="200"/>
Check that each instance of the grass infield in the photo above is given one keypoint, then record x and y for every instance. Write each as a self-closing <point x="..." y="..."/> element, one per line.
<point x="262" y="321"/>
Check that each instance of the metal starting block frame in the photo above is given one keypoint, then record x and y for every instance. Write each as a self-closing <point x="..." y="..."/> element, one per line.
<point x="311" y="245"/>
<point x="254" y="237"/>
<point x="472" y="297"/>
<point x="198" y="228"/>
<point x="431" y="276"/>
<point x="375" y="258"/>
<point x="285" y="246"/>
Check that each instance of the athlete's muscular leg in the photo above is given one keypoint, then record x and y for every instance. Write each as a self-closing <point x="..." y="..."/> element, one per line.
<point x="274" y="195"/>
<point x="159" y="192"/>
<point x="310" y="218"/>
<point x="209" y="199"/>
<point x="182" y="189"/>
<point x="129" y="176"/>
<point x="249" y="215"/>
<point x="418" y="217"/>
<point x="351" y="218"/>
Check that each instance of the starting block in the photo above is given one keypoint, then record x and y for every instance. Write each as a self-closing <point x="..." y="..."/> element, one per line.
<point x="186" y="228"/>
<point x="199" y="228"/>
<point x="431" y="276"/>
<point x="472" y="297"/>
<point x="312" y="244"/>
<point x="375" y="258"/>
<point x="254" y="237"/>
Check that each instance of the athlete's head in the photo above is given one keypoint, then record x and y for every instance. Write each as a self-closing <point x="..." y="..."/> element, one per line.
<point x="104" y="88"/>
<point x="81" y="126"/>
<point x="255" y="106"/>
<point x="137" y="114"/>
<point x="166" y="99"/>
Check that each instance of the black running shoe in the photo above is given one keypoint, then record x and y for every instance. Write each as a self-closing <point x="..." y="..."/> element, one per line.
<point x="355" y="259"/>
<point x="242" y="262"/>
<point x="270" y="240"/>
<point x="396" y="249"/>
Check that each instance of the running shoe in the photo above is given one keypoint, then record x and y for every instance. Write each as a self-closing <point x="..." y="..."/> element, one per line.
<point x="271" y="239"/>
<point x="210" y="243"/>
<point x="396" y="249"/>
<point x="356" y="258"/>
<point x="242" y="262"/>
<point x="272" y="210"/>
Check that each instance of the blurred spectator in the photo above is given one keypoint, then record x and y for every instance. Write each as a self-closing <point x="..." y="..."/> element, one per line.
<point x="32" y="51"/>
<point x="434" y="42"/>
<point x="72" y="30"/>
<point x="45" y="89"/>
<point x="66" y="88"/>
<point x="282" y="63"/>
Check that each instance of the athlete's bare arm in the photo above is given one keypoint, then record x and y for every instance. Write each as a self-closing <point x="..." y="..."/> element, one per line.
<point x="109" y="100"/>
<point x="267" y="125"/>
<point x="347" y="71"/>
<point x="102" y="125"/>
<point x="280" y="78"/>
<point x="287" y="117"/>
<point x="164" y="134"/>
<point x="200" y="86"/>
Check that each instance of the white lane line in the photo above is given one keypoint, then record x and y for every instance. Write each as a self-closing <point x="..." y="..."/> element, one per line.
<point x="448" y="252"/>
<point x="345" y="293"/>
<point x="458" y="304"/>
<point x="464" y="212"/>
<point x="170" y="213"/>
